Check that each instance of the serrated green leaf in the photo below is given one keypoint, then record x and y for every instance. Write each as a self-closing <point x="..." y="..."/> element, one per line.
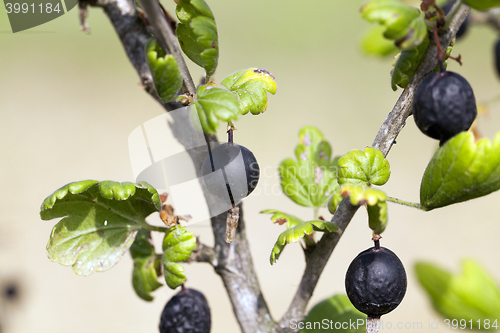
<point x="461" y="170"/>
<point x="100" y="222"/>
<point x="280" y="217"/>
<point x="197" y="34"/>
<point x="482" y="4"/>
<point x="297" y="232"/>
<point x="406" y="64"/>
<point x="375" y="44"/>
<point x="403" y="24"/>
<point x="470" y="296"/>
<point x="375" y="201"/>
<point x="250" y="85"/>
<point x="336" y="311"/>
<point x="178" y="245"/>
<point x="164" y="71"/>
<point x="147" y="266"/>
<point x="212" y="104"/>
<point x="364" y="168"/>
<point x="312" y="178"/>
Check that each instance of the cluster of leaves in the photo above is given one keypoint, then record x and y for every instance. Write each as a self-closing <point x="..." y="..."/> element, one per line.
<point x="246" y="90"/>
<point x="102" y="220"/>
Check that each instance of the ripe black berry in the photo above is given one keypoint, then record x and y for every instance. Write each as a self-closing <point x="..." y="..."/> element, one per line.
<point x="186" y="312"/>
<point x="497" y="56"/>
<point x="376" y="282"/>
<point x="444" y="106"/>
<point x="463" y="28"/>
<point x="231" y="169"/>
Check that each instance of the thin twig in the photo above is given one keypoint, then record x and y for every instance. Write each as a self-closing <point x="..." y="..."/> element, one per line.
<point x="166" y="38"/>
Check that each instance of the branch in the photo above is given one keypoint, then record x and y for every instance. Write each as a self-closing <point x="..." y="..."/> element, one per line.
<point x="386" y="136"/>
<point x="232" y="262"/>
<point x="203" y="253"/>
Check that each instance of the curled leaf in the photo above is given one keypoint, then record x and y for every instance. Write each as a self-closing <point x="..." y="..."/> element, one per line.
<point x="99" y="222"/>
<point x="147" y="266"/>
<point x="178" y="245"/>
<point x="406" y="64"/>
<point x="403" y="24"/>
<point x="281" y="218"/>
<point x="297" y="232"/>
<point x="213" y="104"/>
<point x="375" y="44"/>
<point x="364" y="167"/>
<point x="164" y="71"/>
<point x="461" y="170"/>
<point x="250" y="85"/>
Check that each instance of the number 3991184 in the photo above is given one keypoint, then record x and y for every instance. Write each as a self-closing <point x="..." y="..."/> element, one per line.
<point x="31" y="8"/>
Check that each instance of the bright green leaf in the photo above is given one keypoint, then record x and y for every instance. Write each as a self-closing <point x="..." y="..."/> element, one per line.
<point x="100" y="222"/>
<point x="147" y="266"/>
<point x="250" y="85"/>
<point x="364" y="168"/>
<point x="375" y="44"/>
<point x="461" y="170"/>
<point x="164" y="71"/>
<point x="297" y="232"/>
<point x="280" y="217"/>
<point x="482" y="4"/>
<point x="312" y="177"/>
<point x="375" y="201"/>
<point x="336" y="309"/>
<point x="471" y="295"/>
<point x="406" y="64"/>
<point x="212" y="104"/>
<point x="177" y="247"/>
<point x="197" y="34"/>
<point x="334" y="201"/>
<point x="403" y="24"/>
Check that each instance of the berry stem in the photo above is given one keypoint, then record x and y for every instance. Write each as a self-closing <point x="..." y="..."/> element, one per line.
<point x="372" y="325"/>
<point x="404" y="202"/>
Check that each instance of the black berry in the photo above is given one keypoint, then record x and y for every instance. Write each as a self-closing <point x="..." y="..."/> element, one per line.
<point x="465" y="25"/>
<point x="376" y="282"/>
<point x="186" y="312"/>
<point x="231" y="170"/>
<point x="497" y="56"/>
<point x="444" y="105"/>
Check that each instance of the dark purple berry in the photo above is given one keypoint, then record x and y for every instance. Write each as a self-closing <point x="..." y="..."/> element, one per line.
<point x="444" y="105"/>
<point x="186" y="312"/>
<point x="376" y="282"/>
<point x="463" y="28"/>
<point x="497" y="56"/>
<point x="230" y="171"/>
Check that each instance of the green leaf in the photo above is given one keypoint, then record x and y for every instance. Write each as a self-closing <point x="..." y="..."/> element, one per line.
<point x="461" y="170"/>
<point x="406" y="64"/>
<point x="280" y="217"/>
<point x="375" y="201"/>
<point x="374" y="43"/>
<point x="100" y="221"/>
<point x="212" y="104"/>
<point x="250" y="85"/>
<point x="147" y="266"/>
<point x="403" y="24"/>
<point x="197" y="34"/>
<point x="470" y="296"/>
<point x="334" y="201"/>
<point x="364" y="168"/>
<point x="482" y="4"/>
<point x="164" y="70"/>
<point x="295" y="233"/>
<point x="337" y="314"/>
<point x="177" y="246"/>
<point x="311" y="178"/>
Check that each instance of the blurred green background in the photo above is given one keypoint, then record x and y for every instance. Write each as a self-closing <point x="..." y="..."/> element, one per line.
<point x="68" y="102"/>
